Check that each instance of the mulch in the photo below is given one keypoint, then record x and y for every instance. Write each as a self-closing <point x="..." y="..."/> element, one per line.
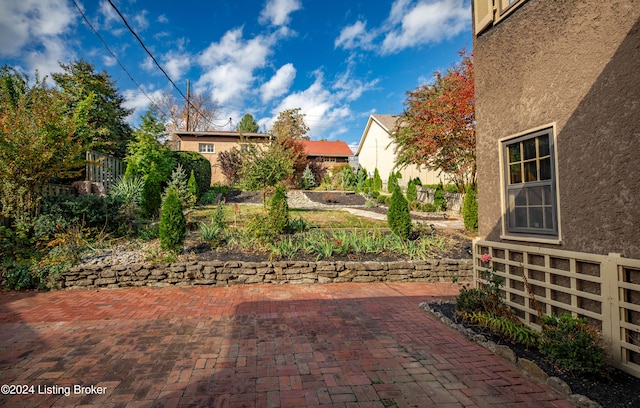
<point x="613" y="389"/>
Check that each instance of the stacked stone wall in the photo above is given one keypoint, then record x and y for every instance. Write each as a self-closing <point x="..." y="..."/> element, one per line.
<point x="219" y="273"/>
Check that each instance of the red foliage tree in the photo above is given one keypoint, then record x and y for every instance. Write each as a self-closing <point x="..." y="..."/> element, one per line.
<point x="437" y="128"/>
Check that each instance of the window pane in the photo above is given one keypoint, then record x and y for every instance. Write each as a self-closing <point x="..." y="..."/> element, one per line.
<point x="520" y="217"/>
<point x="548" y="217"/>
<point x="535" y="195"/>
<point x="535" y="217"/>
<point x="543" y="145"/>
<point x="530" y="171"/>
<point x="529" y="148"/>
<point x="514" y="152"/>
<point x="545" y="169"/>
<point x="515" y="173"/>
<point x="547" y="195"/>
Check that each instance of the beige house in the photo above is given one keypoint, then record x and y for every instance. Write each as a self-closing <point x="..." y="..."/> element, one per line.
<point x="377" y="150"/>
<point x="558" y="132"/>
<point x="211" y="143"/>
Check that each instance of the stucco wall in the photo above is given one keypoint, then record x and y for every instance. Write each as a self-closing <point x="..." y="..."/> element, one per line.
<point x="573" y="63"/>
<point x="222" y="144"/>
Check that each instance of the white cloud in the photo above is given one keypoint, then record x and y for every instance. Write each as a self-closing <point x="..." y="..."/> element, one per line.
<point x="324" y="111"/>
<point x="35" y="24"/>
<point x="229" y="65"/>
<point x="136" y="100"/>
<point x="355" y="36"/>
<point x="279" y="83"/>
<point x="427" y="23"/>
<point x="276" y="12"/>
<point x="409" y="24"/>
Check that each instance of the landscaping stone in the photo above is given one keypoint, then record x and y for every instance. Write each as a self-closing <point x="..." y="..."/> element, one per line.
<point x="96" y="274"/>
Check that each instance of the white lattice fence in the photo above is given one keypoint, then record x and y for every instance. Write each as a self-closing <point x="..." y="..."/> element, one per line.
<point x="605" y="289"/>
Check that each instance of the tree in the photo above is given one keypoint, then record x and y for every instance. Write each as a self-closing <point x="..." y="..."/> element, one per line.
<point x="146" y="156"/>
<point x="470" y="210"/>
<point x="172" y="228"/>
<point x="202" y="112"/>
<point x="107" y="126"/>
<point x="248" y="124"/>
<point x="308" y="180"/>
<point x="437" y="129"/>
<point x="264" y="168"/>
<point x="230" y="163"/>
<point x="398" y="216"/>
<point x="290" y="124"/>
<point x="40" y="138"/>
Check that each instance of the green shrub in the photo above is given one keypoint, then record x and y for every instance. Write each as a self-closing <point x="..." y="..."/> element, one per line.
<point x="19" y="277"/>
<point x="308" y="180"/>
<point x="376" y="183"/>
<point x="398" y="216"/>
<point x="92" y="211"/>
<point x="572" y="344"/>
<point x="201" y="167"/>
<point x="438" y="198"/>
<point x="191" y="184"/>
<point x="471" y="300"/>
<point x="151" y="199"/>
<point x="179" y="182"/>
<point x="470" y="210"/>
<point x="279" y="210"/>
<point x="412" y="191"/>
<point x="172" y="229"/>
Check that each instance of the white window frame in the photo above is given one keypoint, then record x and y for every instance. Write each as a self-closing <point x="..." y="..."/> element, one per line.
<point x="552" y="235"/>
<point x="206" y="147"/>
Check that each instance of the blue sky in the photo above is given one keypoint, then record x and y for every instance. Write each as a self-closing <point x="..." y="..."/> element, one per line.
<point x="339" y="61"/>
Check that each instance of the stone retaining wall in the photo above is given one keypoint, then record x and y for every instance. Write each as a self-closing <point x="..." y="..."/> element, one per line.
<point x="218" y="273"/>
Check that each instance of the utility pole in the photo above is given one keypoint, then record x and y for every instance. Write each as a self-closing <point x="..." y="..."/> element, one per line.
<point x="188" y="103"/>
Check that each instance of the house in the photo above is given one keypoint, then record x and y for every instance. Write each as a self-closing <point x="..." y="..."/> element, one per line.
<point x="558" y="150"/>
<point x="376" y="150"/>
<point x="330" y="153"/>
<point x="211" y="143"/>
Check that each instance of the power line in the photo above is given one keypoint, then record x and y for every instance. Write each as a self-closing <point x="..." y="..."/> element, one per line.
<point x="126" y="23"/>
<point x="86" y="20"/>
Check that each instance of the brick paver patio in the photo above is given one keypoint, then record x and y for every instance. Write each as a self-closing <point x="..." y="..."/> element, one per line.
<point x="340" y="345"/>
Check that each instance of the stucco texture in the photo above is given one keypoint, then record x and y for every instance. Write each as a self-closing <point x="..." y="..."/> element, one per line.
<point x="574" y="63"/>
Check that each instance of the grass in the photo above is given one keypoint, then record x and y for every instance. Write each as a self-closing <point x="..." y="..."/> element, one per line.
<point x="314" y="218"/>
<point x="329" y="233"/>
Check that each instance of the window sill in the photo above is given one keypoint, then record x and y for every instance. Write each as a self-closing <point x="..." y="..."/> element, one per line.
<point x="537" y="240"/>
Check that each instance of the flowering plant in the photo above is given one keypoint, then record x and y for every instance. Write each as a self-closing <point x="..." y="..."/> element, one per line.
<point x="494" y="281"/>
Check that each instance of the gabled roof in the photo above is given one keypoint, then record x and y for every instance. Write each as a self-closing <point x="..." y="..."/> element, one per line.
<point x="387" y="122"/>
<point x="326" y="148"/>
<point x="221" y="133"/>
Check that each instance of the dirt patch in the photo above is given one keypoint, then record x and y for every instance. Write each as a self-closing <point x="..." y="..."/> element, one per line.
<point x="337" y="198"/>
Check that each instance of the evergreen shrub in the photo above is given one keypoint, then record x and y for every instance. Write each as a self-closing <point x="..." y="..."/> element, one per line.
<point x="438" y="198"/>
<point x="201" y="167"/>
<point x="470" y="210"/>
<point x="398" y="216"/>
<point x="172" y="229"/>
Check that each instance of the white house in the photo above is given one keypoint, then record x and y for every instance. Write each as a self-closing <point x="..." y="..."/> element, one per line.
<point x="377" y="150"/>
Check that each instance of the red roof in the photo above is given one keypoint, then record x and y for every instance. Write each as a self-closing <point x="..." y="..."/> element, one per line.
<point x="326" y="148"/>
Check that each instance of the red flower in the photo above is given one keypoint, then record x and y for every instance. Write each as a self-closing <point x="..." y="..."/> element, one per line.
<point x="486" y="258"/>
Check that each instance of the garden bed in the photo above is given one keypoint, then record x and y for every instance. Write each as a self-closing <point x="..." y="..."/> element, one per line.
<point x="614" y="389"/>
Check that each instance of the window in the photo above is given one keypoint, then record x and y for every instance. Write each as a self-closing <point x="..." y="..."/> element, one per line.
<point x="489" y="12"/>
<point x="329" y="159"/>
<point x="530" y="185"/>
<point x="207" y="148"/>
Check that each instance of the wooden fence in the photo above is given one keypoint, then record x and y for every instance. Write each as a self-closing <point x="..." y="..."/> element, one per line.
<point x="605" y="289"/>
<point x="104" y="169"/>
